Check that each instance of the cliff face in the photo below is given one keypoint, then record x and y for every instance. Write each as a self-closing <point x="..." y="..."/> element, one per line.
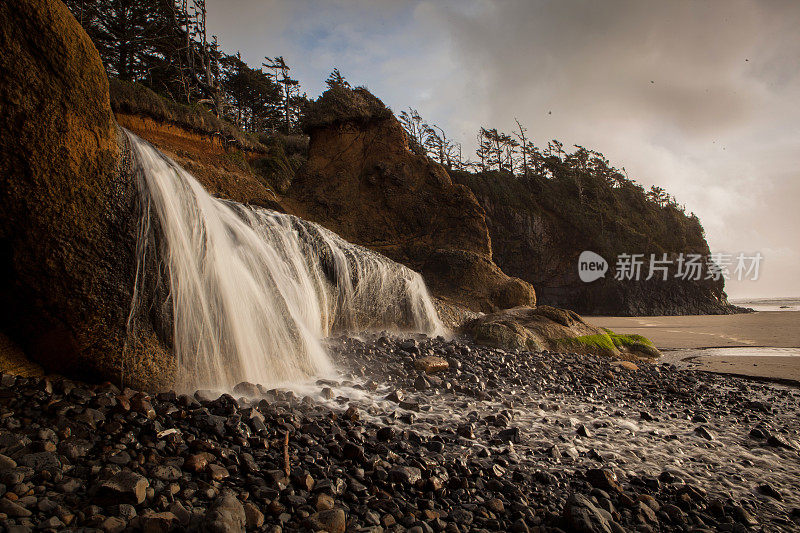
<point x="538" y="234"/>
<point x="362" y="181"/>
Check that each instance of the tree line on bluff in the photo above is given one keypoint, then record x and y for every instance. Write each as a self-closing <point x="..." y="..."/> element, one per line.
<point x="164" y="46"/>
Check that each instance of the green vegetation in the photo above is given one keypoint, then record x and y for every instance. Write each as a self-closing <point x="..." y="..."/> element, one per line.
<point x="340" y="104"/>
<point x="608" y="215"/>
<point x="633" y="343"/>
<point x="165" y="46"/>
<point x="600" y="344"/>
<point x="610" y="344"/>
<point x="280" y="161"/>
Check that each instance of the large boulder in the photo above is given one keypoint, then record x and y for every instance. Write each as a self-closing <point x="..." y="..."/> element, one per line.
<point x="363" y="181"/>
<point x="559" y="330"/>
<point x="68" y="211"/>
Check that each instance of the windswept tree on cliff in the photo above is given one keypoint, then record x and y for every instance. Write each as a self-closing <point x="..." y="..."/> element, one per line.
<point x="252" y="95"/>
<point x="126" y="33"/>
<point x="524" y="143"/>
<point x="335" y="79"/>
<point x="291" y="91"/>
<point x="416" y="128"/>
<point x="440" y="148"/>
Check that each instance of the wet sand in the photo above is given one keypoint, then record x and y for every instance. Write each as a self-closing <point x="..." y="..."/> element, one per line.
<point x="685" y="340"/>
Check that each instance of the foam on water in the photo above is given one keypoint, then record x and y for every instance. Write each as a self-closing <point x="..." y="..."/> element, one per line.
<point x="254" y="291"/>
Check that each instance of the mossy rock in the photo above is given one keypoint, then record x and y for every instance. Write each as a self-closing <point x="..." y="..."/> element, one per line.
<point x="68" y="207"/>
<point x="599" y="344"/>
<point x="634" y="343"/>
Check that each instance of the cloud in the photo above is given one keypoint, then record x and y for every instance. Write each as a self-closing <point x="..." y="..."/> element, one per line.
<point x="697" y="97"/>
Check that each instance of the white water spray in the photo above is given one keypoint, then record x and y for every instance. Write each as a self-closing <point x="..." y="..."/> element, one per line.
<point x="254" y="291"/>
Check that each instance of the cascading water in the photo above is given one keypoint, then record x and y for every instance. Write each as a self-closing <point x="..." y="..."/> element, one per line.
<point x="254" y="291"/>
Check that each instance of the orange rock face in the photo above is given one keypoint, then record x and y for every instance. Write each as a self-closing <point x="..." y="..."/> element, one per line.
<point x="363" y="182"/>
<point x="67" y="218"/>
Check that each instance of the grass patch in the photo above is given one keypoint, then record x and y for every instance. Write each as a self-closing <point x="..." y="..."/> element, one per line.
<point x="276" y="167"/>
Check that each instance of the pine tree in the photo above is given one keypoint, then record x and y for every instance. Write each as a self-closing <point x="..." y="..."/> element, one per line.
<point x="337" y="80"/>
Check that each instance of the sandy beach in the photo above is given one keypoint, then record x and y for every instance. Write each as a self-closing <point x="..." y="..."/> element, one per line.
<point x="763" y="345"/>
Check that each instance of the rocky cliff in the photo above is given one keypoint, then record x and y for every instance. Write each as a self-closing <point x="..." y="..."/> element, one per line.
<point x="362" y="181"/>
<point x="539" y="227"/>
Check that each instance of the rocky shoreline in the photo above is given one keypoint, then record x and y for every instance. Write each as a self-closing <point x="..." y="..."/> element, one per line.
<point x="423" y="435"/>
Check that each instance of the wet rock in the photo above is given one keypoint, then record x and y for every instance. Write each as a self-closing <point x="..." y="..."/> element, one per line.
<point x="217" y="472"/>
<point x="407" y="475"/>
<point x="353" y="452"/>
<point x="6" y="463"/>
<point x="181" y="513"/>
<point x="331" y="520"/>
<point x="324" y="502"/>
<point x="704" y="432"/>
<point x="141" y="404"/>
<point x="152" y="522"/>
<point x="583" y="517"/>
<point x="741" y="515"/>
<point x="51" y="523"/>
<point x="603" y="479"/>
<point x="124" y="487"/>
<point x="779" y="442"/>
<point x="462" y="517"/>
<point x="495" y="505"/>
<point x="196" y="462"/>
<point x="41" y="461"/>
<point x="509" y="435"/>
<point x="431" y="364"/>
<point x="768" y="490"/>
<point x="352" y="414"/>
<point x="13" y="509"/>
<point x="74" y="448"/>
<point x="247" y="389"/>
<point x="395" y="396"/>
<point x="166" y="473"/>
<point x="113" y="524"/>
<point x="226" y="514"/>
<point x="254" y="517"/>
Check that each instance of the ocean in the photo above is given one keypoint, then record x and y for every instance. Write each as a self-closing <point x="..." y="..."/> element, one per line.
<point x="769" y="304"/>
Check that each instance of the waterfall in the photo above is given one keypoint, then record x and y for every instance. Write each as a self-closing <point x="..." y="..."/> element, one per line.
<point x="254" y="291"/>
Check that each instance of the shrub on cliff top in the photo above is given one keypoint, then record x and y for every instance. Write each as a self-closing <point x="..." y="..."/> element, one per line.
<point x="135" y="99"/>
<point x="339" y="105"/>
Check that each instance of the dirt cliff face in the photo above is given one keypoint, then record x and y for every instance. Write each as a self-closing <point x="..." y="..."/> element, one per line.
<point x="223" y="171"/>
<point x="67" y="217"/>
<point x="362" y="181"/>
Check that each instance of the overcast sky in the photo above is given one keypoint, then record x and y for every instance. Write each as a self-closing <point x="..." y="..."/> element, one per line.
<point x="701" y="98"/>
